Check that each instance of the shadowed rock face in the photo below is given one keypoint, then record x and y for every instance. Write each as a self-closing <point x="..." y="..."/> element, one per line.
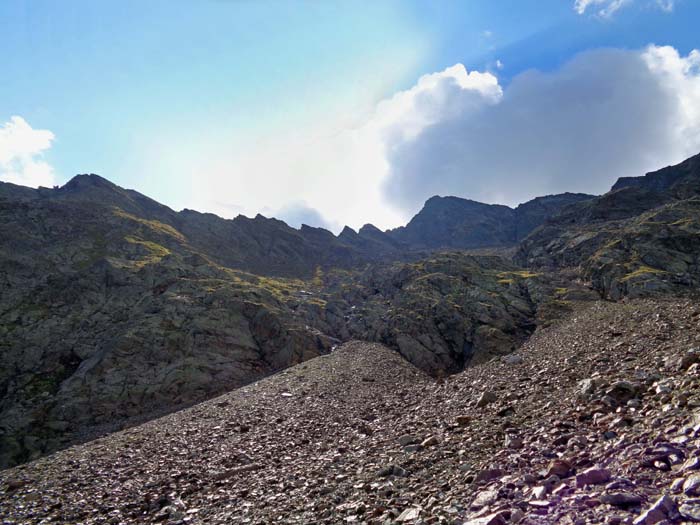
<point x="105" y="316"/>
<point x="451" y="222"/>
<point x="641" y="238"/>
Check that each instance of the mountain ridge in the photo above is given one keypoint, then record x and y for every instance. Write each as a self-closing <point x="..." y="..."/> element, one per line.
<point x="114" y="308"/>
<point x="93" y="187"/>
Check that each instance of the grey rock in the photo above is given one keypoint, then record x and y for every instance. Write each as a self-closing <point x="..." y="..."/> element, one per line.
<point x="691" y="485"/>
<point x="663" y="508"/>
<point x="621" y="499"/>
<point x="690" y="510"/>
<point x="592" y="476"/>
<point x="486" y="398"/>
<point x="408" y="439"/>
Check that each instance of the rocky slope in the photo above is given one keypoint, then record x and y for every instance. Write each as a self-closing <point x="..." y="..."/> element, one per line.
<point x="641" y="238"/>
<point x="113" y="307"/>
<point x="594" y="420"/>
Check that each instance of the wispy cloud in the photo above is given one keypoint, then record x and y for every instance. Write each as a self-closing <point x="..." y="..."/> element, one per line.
<point x="607" y="8"/>
<point x="604" y="8"/>
<point x="21" y="151"/>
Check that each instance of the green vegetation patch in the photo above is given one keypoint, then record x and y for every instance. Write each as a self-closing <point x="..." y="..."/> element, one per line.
<point x="153" y="225"/>
<point x="522" y="274"/>
<point x="155" y="251"/>
<point x="641" y="271"/>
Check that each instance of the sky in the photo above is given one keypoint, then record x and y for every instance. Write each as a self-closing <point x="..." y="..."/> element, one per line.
<point x="328" y="114"/>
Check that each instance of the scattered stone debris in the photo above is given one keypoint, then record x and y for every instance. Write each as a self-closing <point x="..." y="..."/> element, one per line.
<point x="594" y="429"/>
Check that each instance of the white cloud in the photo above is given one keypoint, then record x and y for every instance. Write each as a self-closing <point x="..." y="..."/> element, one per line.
<point x="335" y="169"/>
<point x="606" y="8"/>
<point x="21" y="149"/>
<point x="605" y="114"/>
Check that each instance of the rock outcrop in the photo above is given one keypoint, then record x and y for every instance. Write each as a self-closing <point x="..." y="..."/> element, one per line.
<point x="641" y="238"/>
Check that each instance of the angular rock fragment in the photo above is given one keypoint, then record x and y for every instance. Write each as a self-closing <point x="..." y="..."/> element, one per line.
<point x="592" y="476"/>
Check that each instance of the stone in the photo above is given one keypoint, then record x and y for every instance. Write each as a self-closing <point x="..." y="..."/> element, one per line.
<point x="540" y="491"/>
<point x="621" y="499"/>
<point x="677" y="485"/>
<point x="497" y="518"/>
<point x="691" y="357"/>
<point x="489" y="474"/>
<point x="512" y="359"/>
<point x="409" y="514"/>
<point x="463" y="420"/>
<point x="691" y="485"/>
<point x="15" y="483"/>
<point x="408" y="439"/>
<point x="486" y="398"/>
<point x="622" y="391"/>
<point x="690" y="510"/>
<point x="392" y="470"/>
<point x="529" y="479"/>
<point x="692" y="463"/>
<point x="588" y="386"/>
<point x="485" y="497"/>
<point x="430" y="441"/>
<point x="592" y="476"/>
<point x="558" y="467"/>
<point x="513" y="442"/>
<point x="663" y="508"/>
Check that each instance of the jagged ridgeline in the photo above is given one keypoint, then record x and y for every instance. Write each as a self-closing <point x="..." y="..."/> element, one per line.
<point x="115" y="308"/>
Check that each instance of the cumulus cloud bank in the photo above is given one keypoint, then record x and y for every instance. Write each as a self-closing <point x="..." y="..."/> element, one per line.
<point x="604" y="114"/>
<point x="334" y="170"/>
<point x="21" y="149"/>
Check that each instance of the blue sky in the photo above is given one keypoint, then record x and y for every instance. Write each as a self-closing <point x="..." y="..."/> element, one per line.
<point x="256" y="106"/>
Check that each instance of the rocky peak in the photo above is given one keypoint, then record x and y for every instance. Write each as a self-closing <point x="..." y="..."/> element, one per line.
<point x="87" y="181"/>
<point x="452" y="222"/>
<point x="347" y="234"/>
<point x="370" y="229"/>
